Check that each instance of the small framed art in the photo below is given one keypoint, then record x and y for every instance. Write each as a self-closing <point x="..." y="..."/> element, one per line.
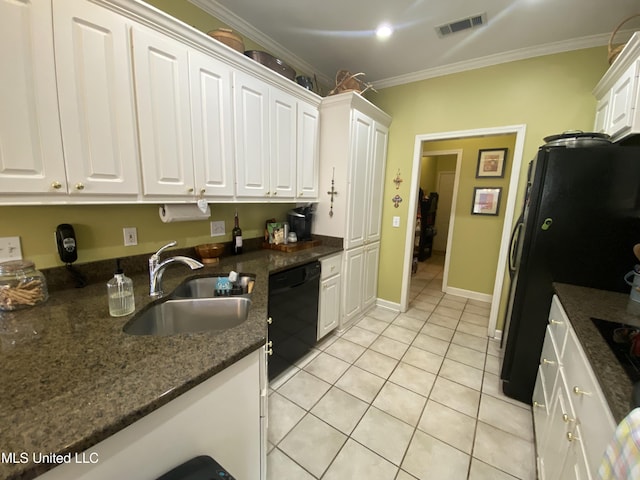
<point x="491" y="163"/>
<point x="486" y="201"/>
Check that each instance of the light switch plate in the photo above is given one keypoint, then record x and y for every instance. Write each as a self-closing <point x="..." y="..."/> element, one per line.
<point x="396" y="222"/>
<point x="130" y="236"/>
<point x="10" y="249"/>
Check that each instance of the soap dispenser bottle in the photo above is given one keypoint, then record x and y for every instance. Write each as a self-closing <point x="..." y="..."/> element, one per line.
<point x="120" y="292"/>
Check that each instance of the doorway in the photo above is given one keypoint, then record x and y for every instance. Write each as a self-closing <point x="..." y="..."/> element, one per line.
<point x="509" y="205"/>
<point x="445" y="184"/>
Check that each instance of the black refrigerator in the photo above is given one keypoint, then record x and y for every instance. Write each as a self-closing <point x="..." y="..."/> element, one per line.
<point x="579" y="223"/>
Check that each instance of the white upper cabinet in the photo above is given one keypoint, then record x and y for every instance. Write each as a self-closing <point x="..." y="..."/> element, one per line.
<point x="251" y="99"/>
<point x="375" y="177"/>
<point x="212" y="124"/>
<point x="357" y="201"/>
<point x="164" y="117"/>
<point x="308" y="151"/>
<point x="95" y="88"/>
<point x="31" y="158"/>
<point x="618" y="94"/>
<point x="283" y="118"/>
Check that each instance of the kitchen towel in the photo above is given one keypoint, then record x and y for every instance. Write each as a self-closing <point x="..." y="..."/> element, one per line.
<point x="621" y="460"/>
<point x="183" y="213"/>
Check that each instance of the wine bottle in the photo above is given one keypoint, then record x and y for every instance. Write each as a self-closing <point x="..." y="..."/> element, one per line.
<point x="236" y="235"/>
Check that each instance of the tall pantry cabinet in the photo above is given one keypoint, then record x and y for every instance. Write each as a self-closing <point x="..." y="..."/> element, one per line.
<point x="353" y="152"/>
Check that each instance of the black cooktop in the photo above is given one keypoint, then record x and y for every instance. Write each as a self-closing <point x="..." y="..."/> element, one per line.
<point x="618" y="336"/>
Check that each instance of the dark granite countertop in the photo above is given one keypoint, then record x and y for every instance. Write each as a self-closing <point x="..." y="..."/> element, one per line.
<point x="70" y="377"/>
<point x="582" y="304"/>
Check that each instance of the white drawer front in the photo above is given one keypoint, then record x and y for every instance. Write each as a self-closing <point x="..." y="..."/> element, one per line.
<point x="549" y="364"/>
<point x="558" y="324"/>
<point x="330" y="266"/>
<point x="591" y="408"/>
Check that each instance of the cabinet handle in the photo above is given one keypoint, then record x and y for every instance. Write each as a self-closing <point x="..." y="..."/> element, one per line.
<point x="567" y="419"/>
<point x="79" y="186"/>
<point x="556" y="322"/>
<point x="548" y="362"/>
<point x="56" y="185"/>
<point x="269" y="320"/>
<point x="270" y="351"/>
<point x="577" y="391"/>
<point x="571" y="437"/>
<point x="270" y="344"/>
<point x="538" y="404"/>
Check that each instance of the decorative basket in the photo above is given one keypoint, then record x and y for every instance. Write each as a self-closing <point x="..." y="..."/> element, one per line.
<point x="614" y="51"/>
<point x="229" y="38"/>
<point x="350" y="82"/>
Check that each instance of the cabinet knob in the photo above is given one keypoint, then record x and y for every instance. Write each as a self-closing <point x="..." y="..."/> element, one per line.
<point x="190" y="189"/>
<point x="572" y="437"/>
<point x="548" y="362"/>
<point x="267" y="194"/>
<point x="567" y="419"/>
<point x="56" y="185"/>
<point x="538" y="404"/>
<point x="301" y="194"/>
<point x="270" y="351"/>
<point x="269" y="320"/>
<point x="270" y="344"/>
<point x="555" y="322"/>
<point x="79" y="186"/>
<point x="578" y="391"/>
<point x="275" y="193"/>
<point x="203" y="191"/>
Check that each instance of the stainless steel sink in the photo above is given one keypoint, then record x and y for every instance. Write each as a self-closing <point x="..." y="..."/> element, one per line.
<point x="205" y="287"/>
<point x="189" y="315"/>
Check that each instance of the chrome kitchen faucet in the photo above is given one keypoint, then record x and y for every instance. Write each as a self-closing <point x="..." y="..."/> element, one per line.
<point x="157" y="268"/>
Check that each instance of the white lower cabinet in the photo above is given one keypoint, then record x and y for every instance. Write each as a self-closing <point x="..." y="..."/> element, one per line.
<point x="572" y="420"/>
<point x="330" y="293"/>
<point x="360" y="281"/>
<point x="221" y="417"/>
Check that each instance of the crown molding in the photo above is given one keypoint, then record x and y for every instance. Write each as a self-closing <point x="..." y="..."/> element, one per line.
<point x="491" y="60"/>
<point x="215" y="9"/>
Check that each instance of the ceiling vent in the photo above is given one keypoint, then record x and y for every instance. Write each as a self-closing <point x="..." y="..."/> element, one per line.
<point x="462" y="24"/>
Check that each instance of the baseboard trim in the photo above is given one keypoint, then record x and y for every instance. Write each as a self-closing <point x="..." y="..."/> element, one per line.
<point x="483" y="297"/>
<point x="393" y="306"/>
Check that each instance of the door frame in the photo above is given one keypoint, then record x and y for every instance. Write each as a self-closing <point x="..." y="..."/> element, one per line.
<point x="453" y="194"/>
<point x="519" y="131"/>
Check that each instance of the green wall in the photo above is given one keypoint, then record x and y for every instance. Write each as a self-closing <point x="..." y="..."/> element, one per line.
<point x="548" y="94"/>
<point x="98" y="228"/>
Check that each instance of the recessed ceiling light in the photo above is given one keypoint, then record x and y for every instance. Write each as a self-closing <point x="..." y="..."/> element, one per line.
<point x="384" y="31"/>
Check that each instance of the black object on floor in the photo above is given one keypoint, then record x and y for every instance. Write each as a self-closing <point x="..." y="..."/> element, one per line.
<point x="202" y="467"/>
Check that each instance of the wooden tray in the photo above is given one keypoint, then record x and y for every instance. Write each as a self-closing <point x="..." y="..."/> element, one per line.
<point x="292" y="247"/>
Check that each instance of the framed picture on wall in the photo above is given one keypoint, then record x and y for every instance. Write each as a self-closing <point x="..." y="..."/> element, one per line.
<point x="491" y="163"/>
<point x="486" y="201"/>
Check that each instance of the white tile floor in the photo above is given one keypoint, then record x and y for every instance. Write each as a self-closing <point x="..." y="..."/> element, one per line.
<point x="402" y="397"/>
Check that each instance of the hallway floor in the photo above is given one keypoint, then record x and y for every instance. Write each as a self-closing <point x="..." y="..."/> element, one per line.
<point x="402" y="397"/>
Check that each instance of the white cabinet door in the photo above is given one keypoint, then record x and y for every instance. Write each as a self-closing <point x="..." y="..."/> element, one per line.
<point x="282" y="162"/>
<point x="370" y="285"/>
<point x="353" y="278"/>
<point x="357" y="188"/>
<point x="623" y="101"/>
<point x="162" y="93"/>
<point x="308" y="152"/>
<point x="376" y="182"/>
<point x="329" y="307"/>
<point x="212" y="124"/>
<point x="601" y="123"/>
<point x="251" y="108"/>
<point x="31" y="159"/>
<point x="95" y="88"/>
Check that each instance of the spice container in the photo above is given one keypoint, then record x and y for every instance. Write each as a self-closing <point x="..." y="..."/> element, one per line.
<point x="21" y="285"/>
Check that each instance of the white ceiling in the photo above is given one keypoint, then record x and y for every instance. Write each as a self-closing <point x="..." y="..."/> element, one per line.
<point x="326" y="36"/>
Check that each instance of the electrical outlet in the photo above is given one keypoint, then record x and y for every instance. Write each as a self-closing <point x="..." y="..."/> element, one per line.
<point x="217" y="228"/>
<point x="396" y="222"/>
<point x="10" y="249"/>
<point x="130" y="236"/>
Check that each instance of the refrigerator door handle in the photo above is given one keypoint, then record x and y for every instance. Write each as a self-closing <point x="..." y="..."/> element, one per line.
<point x="513" y="244"/>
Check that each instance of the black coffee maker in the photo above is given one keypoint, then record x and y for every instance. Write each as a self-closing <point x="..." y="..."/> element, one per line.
<point x="300" y="220"/>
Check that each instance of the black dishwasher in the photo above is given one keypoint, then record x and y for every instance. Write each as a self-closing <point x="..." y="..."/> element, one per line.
<point x="293" y="314"/>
